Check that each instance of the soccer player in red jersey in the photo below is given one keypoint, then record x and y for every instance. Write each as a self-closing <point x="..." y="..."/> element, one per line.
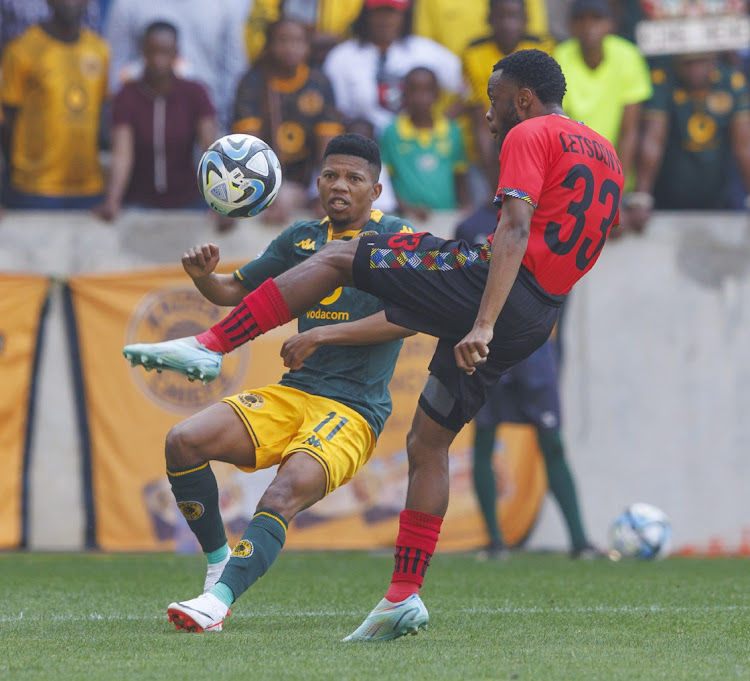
<point x="490" y="305"/>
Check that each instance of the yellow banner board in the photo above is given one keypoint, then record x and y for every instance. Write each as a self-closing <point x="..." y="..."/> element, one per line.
<point x="22" y="301"/>
<point x="129" y="412"/>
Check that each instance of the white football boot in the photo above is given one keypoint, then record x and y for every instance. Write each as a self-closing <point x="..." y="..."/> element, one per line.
<point x="183" y="355"/>
<point x="199" y="615"/>
<point x="392" y="620"/>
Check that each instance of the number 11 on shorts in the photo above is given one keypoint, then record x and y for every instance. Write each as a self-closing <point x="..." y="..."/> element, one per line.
<point x="332" y="415"/>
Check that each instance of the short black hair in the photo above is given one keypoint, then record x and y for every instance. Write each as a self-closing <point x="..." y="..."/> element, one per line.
<point x="352" y="144"/>
<point x="423" y="69"/>
<point x="537" y="71"/>
<point x="359" y="27"/>
<point x="160" y="26"/>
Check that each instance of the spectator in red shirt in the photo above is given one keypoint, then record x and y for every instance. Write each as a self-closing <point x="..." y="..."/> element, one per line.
<point x="156" y="123"/>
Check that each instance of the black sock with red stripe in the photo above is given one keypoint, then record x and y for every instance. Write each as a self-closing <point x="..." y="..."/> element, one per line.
<point x="417" y="537"/>
<point x="260" y="311"/>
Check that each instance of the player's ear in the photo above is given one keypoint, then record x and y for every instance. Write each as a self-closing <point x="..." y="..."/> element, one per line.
<point x="377" y="189"/>
<point x="524" y="97"/>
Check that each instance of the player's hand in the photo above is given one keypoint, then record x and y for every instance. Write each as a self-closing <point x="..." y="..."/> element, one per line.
<point x="298" y="348"/>
<point x="473" y="349"/>
<point x="200" y="261"/>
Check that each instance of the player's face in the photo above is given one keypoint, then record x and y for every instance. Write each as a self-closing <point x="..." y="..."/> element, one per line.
<point x="289" y="45"/>
<point x="590" y="30"/>
<point x="159" y="54"/>
<point x="503" y="114"/>
<point x="68" y="12"/>
<point x="508" y="22"/>
<point x="384" y="25"/>
<point x="347" y="188"/>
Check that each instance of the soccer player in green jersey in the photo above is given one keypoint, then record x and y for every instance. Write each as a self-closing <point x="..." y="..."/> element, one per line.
<point x="320" y="423"/>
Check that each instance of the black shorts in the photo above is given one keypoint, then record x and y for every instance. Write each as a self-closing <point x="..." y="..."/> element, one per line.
<point x="435" y="286"/>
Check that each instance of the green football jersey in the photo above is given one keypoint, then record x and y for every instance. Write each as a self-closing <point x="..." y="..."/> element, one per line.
<point x="356" y="376"/>
<point x="694" y="172"/>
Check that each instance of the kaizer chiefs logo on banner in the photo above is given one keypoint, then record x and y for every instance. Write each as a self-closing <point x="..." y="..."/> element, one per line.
<point x="175" y="312"/>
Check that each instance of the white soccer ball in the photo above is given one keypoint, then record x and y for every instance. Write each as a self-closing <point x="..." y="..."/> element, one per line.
<point x="239" y="176"/>
<point x="641" y="531"/>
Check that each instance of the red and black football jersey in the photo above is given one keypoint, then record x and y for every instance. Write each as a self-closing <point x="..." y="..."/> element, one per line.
<point x="573" y="178"/>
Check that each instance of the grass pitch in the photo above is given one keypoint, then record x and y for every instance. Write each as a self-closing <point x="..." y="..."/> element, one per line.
<point x="534" y="617"/>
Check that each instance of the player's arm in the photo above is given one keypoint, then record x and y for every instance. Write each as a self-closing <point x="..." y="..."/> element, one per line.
<point x="371" y="330"/>
<point x="508" y="248"/>
<point x="220" y="289"/>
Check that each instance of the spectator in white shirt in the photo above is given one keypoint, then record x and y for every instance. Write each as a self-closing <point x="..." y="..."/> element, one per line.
<point x="367" y="71"/>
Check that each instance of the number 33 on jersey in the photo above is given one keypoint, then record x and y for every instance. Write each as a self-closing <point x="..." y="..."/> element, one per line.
<point x="573" y="178"/>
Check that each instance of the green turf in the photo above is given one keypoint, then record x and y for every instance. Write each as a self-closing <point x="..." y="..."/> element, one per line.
<point x="534" y="617"/>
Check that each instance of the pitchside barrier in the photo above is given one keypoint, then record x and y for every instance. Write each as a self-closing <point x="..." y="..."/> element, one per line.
<point x="655" y="379"/>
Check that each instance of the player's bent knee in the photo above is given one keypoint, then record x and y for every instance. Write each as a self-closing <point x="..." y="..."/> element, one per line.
<point x="184" y="446"/>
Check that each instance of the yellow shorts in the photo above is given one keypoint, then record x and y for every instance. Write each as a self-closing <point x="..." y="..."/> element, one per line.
<point x="282" y="421"/>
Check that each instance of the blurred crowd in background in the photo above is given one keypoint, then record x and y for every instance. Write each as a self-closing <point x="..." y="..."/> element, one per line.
<point x="106" y="103"/>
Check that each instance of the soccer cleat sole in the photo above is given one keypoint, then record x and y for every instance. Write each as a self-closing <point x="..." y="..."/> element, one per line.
<point x="149" y="364"/>
<point x="184" y="622"/>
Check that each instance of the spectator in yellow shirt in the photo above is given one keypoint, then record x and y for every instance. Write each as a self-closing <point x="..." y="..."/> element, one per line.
<point x="54" y="81"/>
<point x="457" y="23"/>
<point x="509" y="33"/>
<point x="329" y="20"/>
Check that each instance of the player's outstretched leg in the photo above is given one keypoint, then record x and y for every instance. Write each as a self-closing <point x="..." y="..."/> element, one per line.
<point x="402" y="611"/>
<point x="300" y="482"/>
<point x="273" y="303"/>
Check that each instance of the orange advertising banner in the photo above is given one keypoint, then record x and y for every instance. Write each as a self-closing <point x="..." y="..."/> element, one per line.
<point x="23" y="299"/>
<point x="129" y="411"/>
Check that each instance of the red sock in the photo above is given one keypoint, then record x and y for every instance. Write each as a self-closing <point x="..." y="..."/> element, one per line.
<point x="417" y="537"/>
<point x="261" y="310"/>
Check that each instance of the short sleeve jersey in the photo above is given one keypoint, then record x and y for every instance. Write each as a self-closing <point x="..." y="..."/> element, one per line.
<point x="58" y="89"/>
<point x="598" y="96"/>
<point x="573" y="178"/>
<point x="356" y="376"/>
<point x="695" y="168"/>
<point x="304" y="107"/>
<point x="423" y="163"/>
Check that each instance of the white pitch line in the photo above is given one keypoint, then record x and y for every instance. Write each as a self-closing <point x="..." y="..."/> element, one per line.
<point x="603" y="609"/>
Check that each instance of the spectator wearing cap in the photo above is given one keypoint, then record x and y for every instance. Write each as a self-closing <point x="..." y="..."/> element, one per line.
<point x="367" y="71"/>
<point x="457" y="23"/>
<point x="607" y="77"/>
<point x="212" y="49"/>
<point x="697" y="118"/>
<point x="329" y="22"/>
<point x="157" y="121"/>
